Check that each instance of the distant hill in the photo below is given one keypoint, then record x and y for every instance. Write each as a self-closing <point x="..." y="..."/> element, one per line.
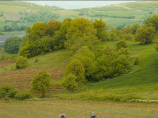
<point x="25" y="13"/>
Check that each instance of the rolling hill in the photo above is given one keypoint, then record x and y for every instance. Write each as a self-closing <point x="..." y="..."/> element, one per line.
<point x="140" y="83"/>
<point x="118" y="14"/>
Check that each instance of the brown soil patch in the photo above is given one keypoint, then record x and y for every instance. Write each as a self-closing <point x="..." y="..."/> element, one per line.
<point x="6" y="63"/>
<point x="13" y="16"/>
<point x="21" y="79"/>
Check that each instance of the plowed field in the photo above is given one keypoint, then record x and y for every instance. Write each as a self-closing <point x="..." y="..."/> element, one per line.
<point x="21" y="79"/>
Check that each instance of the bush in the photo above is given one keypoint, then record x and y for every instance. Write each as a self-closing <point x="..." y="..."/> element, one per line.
<point x="121" y="44"/>
<point x="136" y="60"/>
<point x="7" y="91"/>
<point x="41" y="82"/>
<point x="23" y="96"/>
<point x="76" y="68"/>
<point x="21" y="62"/>
<point x="69" y="82"/>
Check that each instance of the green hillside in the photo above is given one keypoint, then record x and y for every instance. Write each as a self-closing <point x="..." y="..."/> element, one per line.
<point x="140" y="83"/>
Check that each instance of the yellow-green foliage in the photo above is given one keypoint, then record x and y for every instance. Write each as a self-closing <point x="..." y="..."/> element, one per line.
<point x="135" y="28"/>
<point x="41" y="82"/>
<point x="152" y="22"/>
<point x="121" y="44"/>
<point x="69" y="82"/>
<point x="76" y="68"/>
<point x="110" y="62"/>
<point x="22" y="62"/>
<point x="146" y="35"/>
<point x="87" y="58"/>
<point x="23" y="96"/>
<point x="83" y="30"/>
<point x="100" y="26"/>
<point x="7" y="91"/>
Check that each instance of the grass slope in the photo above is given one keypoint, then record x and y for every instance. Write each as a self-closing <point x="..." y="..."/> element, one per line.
<point x="141" y="82"/>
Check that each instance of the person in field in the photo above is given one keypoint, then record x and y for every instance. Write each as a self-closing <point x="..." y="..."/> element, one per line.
<point x="62" y="115"/>
<point x="93" y="115"/>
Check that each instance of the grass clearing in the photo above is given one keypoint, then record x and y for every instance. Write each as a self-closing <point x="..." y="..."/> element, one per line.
<point x="77" y="109"/>
<point x="7" y="8"/>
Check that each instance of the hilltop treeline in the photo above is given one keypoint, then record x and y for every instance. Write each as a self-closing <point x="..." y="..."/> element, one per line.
<point x="41" y="16"/>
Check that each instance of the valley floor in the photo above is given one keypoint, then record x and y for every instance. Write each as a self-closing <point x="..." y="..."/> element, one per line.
<point x="76" y="109"/>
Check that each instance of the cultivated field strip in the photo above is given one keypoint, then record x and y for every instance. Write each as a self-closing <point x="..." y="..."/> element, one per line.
<point x="21" y="79"/>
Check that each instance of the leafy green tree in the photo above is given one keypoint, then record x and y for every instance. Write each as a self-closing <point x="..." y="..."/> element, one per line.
<point x="50" y="28"/>
<point x="12" y="44"/>
<point x="100" y="25"/>
<point x="146" y="35"/>
<point x="41" y="82"/>
<point x="135" y="28"/>
<point x="121" y="44"/>
<point x="24" y="50"/>
<point x="22" y="62"/>
<point x="76" y="68"/>
<point x="152" y="22"/>
<point x="129" y="37"/>
<point x="69" y="82"/>
<point x="42" y="46"/>
<point x="60" y="35"/>
<point x="80" y="27"/>
<point x="35" y="32"/>
<point x="110" y="62"/>
<point x="78" y="43"/>
<point x="127" y="29"/>
<point x="88" y="60"/>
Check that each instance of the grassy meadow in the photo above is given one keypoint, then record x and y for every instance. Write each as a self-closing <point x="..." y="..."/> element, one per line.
<point x="76" y="109"/>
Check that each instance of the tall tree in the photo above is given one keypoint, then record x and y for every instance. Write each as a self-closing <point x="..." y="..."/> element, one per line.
<point x="80" y="27"/>
<point x="146" y="35"/>
<point x="100" y="25"/>
<point x="41" y="82"/>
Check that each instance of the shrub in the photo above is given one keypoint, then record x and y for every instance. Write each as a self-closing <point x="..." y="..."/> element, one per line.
<point x="41" y="82"/>
<point x="76" y="68"/>
<point x="69" y="82"/>
<point x="136" y="60"/>
<point x="7" y="91"/>
<point x="23" y="96"/>
<point x="21" y="62"/>
<point x="121" y="44"/>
